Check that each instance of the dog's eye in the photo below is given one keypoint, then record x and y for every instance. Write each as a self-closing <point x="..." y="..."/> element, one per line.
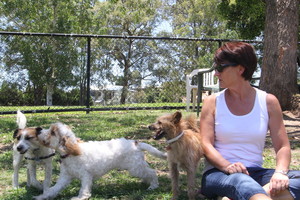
<point x="28" y="138"/>
<point x="159" y="122"/>
<point x="45" y="142"/>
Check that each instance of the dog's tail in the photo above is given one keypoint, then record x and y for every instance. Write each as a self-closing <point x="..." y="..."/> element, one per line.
<point x="21" y="120"/>
<point x="192" y="123"/>
<point x="152" y="150"/>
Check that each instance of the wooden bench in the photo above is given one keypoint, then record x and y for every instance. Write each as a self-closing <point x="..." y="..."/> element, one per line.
<point x="205" y="81"/>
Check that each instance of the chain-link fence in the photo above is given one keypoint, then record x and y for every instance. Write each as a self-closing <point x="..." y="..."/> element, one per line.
<point x="68" y="72"/>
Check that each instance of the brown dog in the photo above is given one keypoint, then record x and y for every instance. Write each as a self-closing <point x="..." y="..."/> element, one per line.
<point x="184" y="147"/>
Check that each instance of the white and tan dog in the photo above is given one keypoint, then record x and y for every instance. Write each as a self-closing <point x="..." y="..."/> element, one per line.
<point x="27" y="145"/>
<point x="88" y="161"/>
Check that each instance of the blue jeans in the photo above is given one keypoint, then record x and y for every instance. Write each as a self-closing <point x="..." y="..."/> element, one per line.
<point x="239" y="186"/>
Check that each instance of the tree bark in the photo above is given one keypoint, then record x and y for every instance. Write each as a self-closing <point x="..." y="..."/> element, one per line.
<point x="125" y="81"/>
<point x="279" y="67"/>
<point x="49" y="97"/>
<point x="38" y="95"/>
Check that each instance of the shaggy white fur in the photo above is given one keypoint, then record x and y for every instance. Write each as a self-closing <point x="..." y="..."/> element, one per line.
<point x="26" y="145"/>
<point x="87" y="161"/>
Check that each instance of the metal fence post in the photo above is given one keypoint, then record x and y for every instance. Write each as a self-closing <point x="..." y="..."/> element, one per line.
<point x="88" y="74"/>
<point x="199" y="92"/>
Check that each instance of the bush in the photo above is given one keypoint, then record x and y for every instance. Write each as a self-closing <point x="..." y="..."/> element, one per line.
<point x="11" y="95"/>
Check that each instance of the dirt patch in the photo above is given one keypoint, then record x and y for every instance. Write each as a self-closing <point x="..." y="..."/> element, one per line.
<point x="296" y="105"/>
<point x="292" y="124"/>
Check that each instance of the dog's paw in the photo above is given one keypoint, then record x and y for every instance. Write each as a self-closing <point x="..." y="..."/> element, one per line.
<point x="152" y="187"/>
<point x="79" y="198"/>
<point x="15" y="187"/>
<point x="40" y="197"/>
<point x="165" y="155"/>
<point x="36" y="184"/>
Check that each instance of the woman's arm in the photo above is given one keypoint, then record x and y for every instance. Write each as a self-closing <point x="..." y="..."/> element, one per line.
<point x="281" y="145"/>
<point x="278" y="134"/>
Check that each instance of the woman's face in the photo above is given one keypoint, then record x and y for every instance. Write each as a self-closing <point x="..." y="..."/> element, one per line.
<point x="229" y="75"/>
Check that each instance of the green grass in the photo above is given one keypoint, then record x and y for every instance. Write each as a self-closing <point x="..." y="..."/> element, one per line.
<point x="93" y="126"/>
<point x="98" y="126"/>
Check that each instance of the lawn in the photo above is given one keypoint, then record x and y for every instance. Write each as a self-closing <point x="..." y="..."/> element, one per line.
<point x="102" y="126"/>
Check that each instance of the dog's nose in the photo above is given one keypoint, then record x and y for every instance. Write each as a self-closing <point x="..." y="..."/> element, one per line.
<point x="150" y="127"/>
<point x="19" y="148"/>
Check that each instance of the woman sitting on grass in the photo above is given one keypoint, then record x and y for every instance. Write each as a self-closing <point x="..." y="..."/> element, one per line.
<point x="234" y="125"/>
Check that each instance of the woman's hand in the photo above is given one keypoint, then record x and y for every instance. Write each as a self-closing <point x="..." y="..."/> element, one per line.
<point x="278" y="183"/>
<point x="236" y="168"/>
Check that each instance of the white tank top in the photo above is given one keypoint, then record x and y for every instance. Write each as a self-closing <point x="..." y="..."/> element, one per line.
<point x="241" y="138"/>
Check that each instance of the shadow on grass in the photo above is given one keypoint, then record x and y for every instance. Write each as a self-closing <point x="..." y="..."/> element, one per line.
<point x="23" y="193"/>
<point x="103" y="189"/>
<point x="132" y="189"/>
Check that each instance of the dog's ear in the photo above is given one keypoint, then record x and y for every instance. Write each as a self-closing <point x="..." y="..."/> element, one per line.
<point x="52" y="130"/>
<point x="38" y="130"/>
<point x="71" y="147"/>
<point x="16" y="133"/>
<point x="177" y="117"/>
<point x="63" y="141"/>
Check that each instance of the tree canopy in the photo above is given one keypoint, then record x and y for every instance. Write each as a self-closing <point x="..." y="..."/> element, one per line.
<point x="247" y="17"/>
<point x="47" y="60"/>
<point x="61" y="62"/>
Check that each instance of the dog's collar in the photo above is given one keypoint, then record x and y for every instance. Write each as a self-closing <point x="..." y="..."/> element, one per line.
<point x="40" y="158"/>
<point x="175" y="138"/>
<point x="64" y="156"/>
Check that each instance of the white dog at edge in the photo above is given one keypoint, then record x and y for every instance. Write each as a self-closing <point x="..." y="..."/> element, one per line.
<point x="88" y="161"/>
<point x="26" y="145"/>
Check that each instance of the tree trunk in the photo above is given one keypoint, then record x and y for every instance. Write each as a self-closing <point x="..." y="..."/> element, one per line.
<point x="125" y="81"/>
<point x="126" y="73"/>
<point x="38" y="95"/>
<point x="50" y="92"/>
<point x="82" y="92"/>
<point x="279" y="68"/>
